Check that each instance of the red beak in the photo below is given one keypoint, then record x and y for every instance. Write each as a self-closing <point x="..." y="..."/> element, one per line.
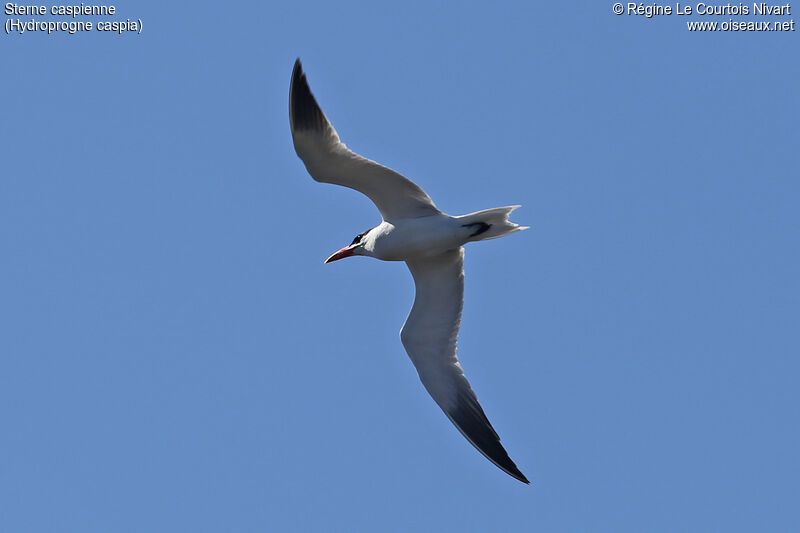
<point x="347" y="251"/>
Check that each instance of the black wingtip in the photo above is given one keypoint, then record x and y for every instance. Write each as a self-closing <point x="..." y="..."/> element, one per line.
<point x="471" y="421"/>
<point x="511" y="469"/>
<point x="297" y="70"/>
<point x="304" y="112"/>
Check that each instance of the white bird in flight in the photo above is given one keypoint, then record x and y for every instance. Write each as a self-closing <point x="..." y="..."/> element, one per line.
<point x="429" y="241"/>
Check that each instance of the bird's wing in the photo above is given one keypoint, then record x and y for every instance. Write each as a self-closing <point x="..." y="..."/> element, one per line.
<point x="329" y="160"/>
<point x="429" y="336"/>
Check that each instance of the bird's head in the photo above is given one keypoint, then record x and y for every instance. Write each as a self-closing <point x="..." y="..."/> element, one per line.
<point x="354" y="248"/>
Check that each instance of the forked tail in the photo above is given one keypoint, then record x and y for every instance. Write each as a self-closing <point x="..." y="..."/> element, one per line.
<point x="491" y="223"/>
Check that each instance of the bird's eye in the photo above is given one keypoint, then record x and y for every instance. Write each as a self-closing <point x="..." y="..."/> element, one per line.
<point x="359" y="237"/>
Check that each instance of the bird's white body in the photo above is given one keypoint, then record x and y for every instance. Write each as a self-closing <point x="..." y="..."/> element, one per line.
<point x="404" y="239"/>
<point x="429" y="241"/>
<point x="413" y="238"/>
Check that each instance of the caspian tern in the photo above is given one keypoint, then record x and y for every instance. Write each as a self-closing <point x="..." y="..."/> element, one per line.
<point x="429" y="241"/>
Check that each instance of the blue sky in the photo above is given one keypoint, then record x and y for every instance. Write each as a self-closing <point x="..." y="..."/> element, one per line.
<point x="176" y="356"/>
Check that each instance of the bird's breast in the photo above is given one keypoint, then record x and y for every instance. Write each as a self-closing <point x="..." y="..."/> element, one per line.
<point x="417" y="237"/>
